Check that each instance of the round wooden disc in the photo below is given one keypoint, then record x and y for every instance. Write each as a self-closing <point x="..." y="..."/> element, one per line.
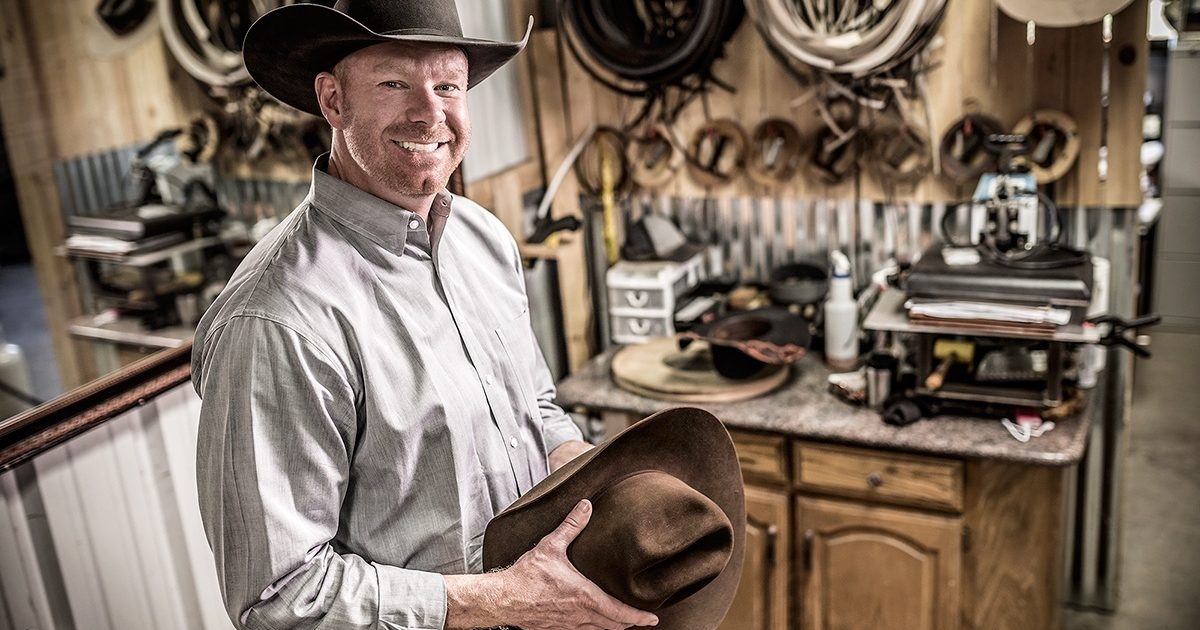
<point x="658" y="369"/>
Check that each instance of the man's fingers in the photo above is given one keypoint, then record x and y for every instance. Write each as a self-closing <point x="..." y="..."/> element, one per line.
<point x="620" y="612"/>
<point x="576" y="520"/>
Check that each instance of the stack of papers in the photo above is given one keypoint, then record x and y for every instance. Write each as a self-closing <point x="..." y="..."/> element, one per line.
<point x="989" y="311"/>
<point x="96" y="245"/>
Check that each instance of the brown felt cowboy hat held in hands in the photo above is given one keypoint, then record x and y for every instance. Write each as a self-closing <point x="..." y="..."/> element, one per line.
<point x="668" y="527"/>
<point x="288" y="47"/>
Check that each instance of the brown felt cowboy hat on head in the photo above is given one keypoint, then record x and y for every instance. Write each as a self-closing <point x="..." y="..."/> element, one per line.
<point x="288" y="47"/>
<point x="668" y="527"/>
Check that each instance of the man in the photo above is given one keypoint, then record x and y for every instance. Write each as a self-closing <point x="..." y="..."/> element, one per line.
<point x="372" y="393"/>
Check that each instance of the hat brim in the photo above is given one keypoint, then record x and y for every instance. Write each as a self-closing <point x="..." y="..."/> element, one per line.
<point x="706" y="461"/>
<point x="288" y="47"/>
<point x="785" y="329"/>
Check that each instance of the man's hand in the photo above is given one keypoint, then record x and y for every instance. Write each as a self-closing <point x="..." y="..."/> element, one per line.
<point x="553" y="595"/>
<point x="567" y="451"/>
<point x="541" y="591"/>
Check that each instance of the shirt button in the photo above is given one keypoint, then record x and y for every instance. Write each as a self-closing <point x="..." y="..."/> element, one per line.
<point x="491" y="380"/>
<point x="512" y="442"/>
<point x="414" y="224"/>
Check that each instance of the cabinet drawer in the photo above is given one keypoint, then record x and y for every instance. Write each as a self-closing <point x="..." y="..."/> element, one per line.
<point x="879" y="476"/>
<point x="763" y="457"/>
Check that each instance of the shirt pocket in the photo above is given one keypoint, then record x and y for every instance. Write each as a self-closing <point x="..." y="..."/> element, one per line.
<point x="520" y="353"/>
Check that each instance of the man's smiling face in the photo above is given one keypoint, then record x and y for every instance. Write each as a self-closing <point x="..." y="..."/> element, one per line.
<point x="404" y="114"/>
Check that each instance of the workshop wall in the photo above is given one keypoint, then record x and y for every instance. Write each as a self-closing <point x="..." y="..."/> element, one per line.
<point x="982" y="62"/>
<point x="63" y="94"/>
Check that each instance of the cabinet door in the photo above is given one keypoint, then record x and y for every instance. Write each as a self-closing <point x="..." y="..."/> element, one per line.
<point x="864" y="567"/>
<point x="761" y="602"/>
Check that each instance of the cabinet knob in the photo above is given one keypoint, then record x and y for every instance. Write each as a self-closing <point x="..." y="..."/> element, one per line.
<point x="875" y="480"/>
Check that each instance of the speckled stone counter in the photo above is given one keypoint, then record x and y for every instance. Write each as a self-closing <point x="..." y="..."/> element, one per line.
<point x="804" y="408"/>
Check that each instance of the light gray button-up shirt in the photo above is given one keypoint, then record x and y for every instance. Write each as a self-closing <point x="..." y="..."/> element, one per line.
<point x="372" y="396"/>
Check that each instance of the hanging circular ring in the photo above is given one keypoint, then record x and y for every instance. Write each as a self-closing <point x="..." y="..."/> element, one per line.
<point x="200" y="139"/>
<point x="1053" y="141"/>
<point x="717" y="152"/>
<point x="588" y="168"/>
<point x="205" y="36"/>
<point x="774" y="153"/>
<point x="963" y="150"/>
<point x="834" y="156"/>
<point x="653" y="157"/>
<point x="899" y="155"/>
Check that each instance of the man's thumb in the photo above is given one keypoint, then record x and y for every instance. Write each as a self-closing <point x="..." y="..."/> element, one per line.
<point x="574" y="523"/>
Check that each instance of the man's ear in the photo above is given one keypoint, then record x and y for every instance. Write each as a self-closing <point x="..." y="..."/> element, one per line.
<point x="329" y="98"/>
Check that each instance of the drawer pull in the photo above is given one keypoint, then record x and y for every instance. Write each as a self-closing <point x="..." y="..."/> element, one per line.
<point x="875" y="480"/>
<point x="637" y="299"/>
<point x="639" y="326"/>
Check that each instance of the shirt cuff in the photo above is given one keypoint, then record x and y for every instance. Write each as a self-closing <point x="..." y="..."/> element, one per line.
<point x="558" y="431"/>
<point x="413" y="600"/>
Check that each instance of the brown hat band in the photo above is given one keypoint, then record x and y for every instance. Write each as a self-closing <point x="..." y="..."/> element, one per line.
<point x="653" y="540"/>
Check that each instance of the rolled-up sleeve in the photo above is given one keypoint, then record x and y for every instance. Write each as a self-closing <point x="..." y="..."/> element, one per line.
<point x="557" y="426"/>
<point x="277" y="433"/>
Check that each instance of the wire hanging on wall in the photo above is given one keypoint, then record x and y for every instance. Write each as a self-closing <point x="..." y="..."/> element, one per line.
<point x="659" y="50"/>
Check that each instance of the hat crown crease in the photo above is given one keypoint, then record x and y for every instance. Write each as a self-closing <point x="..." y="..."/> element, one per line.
<point x="653" y="540"/>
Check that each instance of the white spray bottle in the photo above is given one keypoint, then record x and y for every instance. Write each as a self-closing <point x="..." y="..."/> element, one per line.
<point x="841" y="317"/>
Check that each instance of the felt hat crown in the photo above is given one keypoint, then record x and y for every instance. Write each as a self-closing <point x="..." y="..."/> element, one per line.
<point x="668" y="527"/>
<point x="288" y="47"/>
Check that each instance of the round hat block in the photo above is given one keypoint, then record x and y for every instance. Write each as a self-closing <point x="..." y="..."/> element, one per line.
<point x="659" y="369"/>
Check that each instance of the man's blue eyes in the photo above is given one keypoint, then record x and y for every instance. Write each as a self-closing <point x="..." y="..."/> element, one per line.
<point x="447" y="87"/>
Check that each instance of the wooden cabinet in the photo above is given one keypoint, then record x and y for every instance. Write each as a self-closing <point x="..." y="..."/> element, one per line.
<point x="852" y="538"/>
<point x="761" y="602"/>
<point x="865" y="567"/>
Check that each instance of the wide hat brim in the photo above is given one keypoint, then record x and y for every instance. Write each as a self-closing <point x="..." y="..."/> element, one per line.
<point x="1061" y="13"/>
<point x="783" y="336"/>
<point x="288" y="47"/>
<point x="687" y="443"/>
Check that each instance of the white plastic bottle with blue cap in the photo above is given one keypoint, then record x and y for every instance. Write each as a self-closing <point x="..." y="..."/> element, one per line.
<point x="841" y="317"/>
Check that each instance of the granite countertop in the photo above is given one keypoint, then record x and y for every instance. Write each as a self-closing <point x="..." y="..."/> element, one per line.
<point x="803" y="407"/>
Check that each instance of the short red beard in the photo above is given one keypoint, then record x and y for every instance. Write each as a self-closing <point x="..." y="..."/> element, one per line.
<point x="373" y="155"/>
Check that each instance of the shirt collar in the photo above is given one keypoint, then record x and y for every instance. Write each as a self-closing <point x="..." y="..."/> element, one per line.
<point x="384" y="223"/>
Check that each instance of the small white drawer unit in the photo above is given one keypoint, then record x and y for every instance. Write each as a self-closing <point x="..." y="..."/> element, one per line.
<point x="642" y="296"/>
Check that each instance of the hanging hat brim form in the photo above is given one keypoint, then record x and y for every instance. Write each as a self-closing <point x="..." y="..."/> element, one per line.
<point x="1061" y="13"/>
<point x="857" y="39"/>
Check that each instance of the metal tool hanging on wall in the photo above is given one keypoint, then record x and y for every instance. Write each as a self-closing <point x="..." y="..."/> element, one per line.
<point x="964" y="152"/>
<point x="775" y="151"/>
<point x="653" y="156"/>
<point x="717" y="152"/>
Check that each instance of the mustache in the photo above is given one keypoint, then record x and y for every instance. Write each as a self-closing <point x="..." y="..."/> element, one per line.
<point x="419" y="133"/>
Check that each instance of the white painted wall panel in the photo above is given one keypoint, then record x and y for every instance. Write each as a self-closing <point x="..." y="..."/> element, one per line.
<point x="22" y="593"/>
<point x="126" y="549"/>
